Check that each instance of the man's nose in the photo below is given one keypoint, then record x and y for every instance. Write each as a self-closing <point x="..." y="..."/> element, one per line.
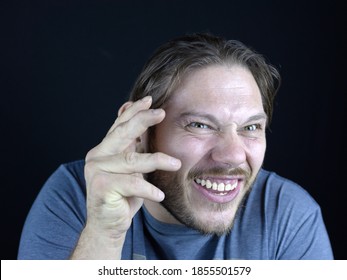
<point x="229" y="149"/>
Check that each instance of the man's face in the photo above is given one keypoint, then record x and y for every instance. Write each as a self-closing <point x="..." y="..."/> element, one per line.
<point x="215" y="124"/>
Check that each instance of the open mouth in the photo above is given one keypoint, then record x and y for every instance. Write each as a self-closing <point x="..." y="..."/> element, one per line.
<point x="217" y="186"/>
<point x="220" y="190"/>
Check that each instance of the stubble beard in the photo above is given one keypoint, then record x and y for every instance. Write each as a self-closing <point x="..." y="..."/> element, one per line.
<point x="177" y="202"/>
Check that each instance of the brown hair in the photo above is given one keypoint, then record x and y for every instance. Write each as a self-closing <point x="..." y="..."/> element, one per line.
<point x="176" y="58"/>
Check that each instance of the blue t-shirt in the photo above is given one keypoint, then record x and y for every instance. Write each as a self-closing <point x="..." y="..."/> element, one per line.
<point x="278" y="220"/>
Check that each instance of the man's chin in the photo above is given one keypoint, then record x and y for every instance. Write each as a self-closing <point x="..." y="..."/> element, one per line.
<point x="189" y="209"/>
<point x="216" y="228"/>
<point x="207" y="217"/>
<point x="207" y="222"/>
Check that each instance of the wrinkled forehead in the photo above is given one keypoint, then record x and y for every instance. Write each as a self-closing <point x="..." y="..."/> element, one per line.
<point x="220" y="87"/>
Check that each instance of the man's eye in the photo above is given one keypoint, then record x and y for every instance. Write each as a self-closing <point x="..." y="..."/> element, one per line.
<point x="252" y="127"/>
<point x="198" y="125"/>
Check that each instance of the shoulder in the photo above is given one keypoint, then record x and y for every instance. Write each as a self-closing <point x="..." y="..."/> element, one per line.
<point x="57" y="215"/>
<point x="285" y="205"/>
<point x="280" y="201"/>
<point x="280" y="220"/>
<point x="65" y="189"/>
<point x="64" y="192"/>
<point x="292" y="218"/>
<point x="69" y="177"/>
<point x="280" y="191"/>
<point x="74" y="169"/>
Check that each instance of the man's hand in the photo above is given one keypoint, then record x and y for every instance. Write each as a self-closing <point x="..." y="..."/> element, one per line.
<point x="115" y="184"/>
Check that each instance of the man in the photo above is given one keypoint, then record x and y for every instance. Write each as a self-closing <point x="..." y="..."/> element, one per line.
<point x="178" y="176"/>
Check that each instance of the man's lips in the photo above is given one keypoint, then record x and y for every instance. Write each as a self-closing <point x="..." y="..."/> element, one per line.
<point x="220" y="185"/>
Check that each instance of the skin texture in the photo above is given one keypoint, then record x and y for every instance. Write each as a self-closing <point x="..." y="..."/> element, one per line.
<point x="215" y="124"/>
<point x="212" y="127"/>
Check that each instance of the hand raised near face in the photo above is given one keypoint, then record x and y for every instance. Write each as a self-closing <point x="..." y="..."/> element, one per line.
<point x="115" y="184"/>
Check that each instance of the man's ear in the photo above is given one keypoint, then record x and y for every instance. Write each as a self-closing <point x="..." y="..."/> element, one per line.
<point x="125" y="106"/>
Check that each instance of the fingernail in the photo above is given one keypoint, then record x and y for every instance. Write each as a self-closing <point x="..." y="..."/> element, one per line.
<point x="161" y="195"/>
<point x="147" y="99"/>
<point x="175" y="162"/>
<point x="157" y="111"/>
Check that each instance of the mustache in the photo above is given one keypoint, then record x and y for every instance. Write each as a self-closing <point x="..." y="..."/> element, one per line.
<point x="218" y="171"/>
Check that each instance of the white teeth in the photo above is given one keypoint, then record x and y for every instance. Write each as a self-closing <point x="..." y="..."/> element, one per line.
<point x="221" y="187"/>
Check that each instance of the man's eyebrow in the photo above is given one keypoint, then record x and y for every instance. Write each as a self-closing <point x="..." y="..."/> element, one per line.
<point x="212" y="118"/>
<point x="209" y="117"/>
<point x="257" y="117"/>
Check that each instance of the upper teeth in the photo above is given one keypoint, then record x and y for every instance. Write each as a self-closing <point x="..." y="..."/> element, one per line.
<point x="221" y="187"/>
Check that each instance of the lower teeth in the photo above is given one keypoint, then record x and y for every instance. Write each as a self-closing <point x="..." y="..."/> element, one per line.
<point x="223" y="193"/>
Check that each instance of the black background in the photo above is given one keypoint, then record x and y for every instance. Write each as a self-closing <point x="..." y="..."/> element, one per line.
<point x="66" y="67"/>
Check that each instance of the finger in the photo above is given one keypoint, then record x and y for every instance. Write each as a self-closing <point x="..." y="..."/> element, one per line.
<point x="128" y="110"/>
<point x="134" y="186"/>
<point x="132" y="162"/>
<point x="129" y="186"/>
<point x="127" y="132"/>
